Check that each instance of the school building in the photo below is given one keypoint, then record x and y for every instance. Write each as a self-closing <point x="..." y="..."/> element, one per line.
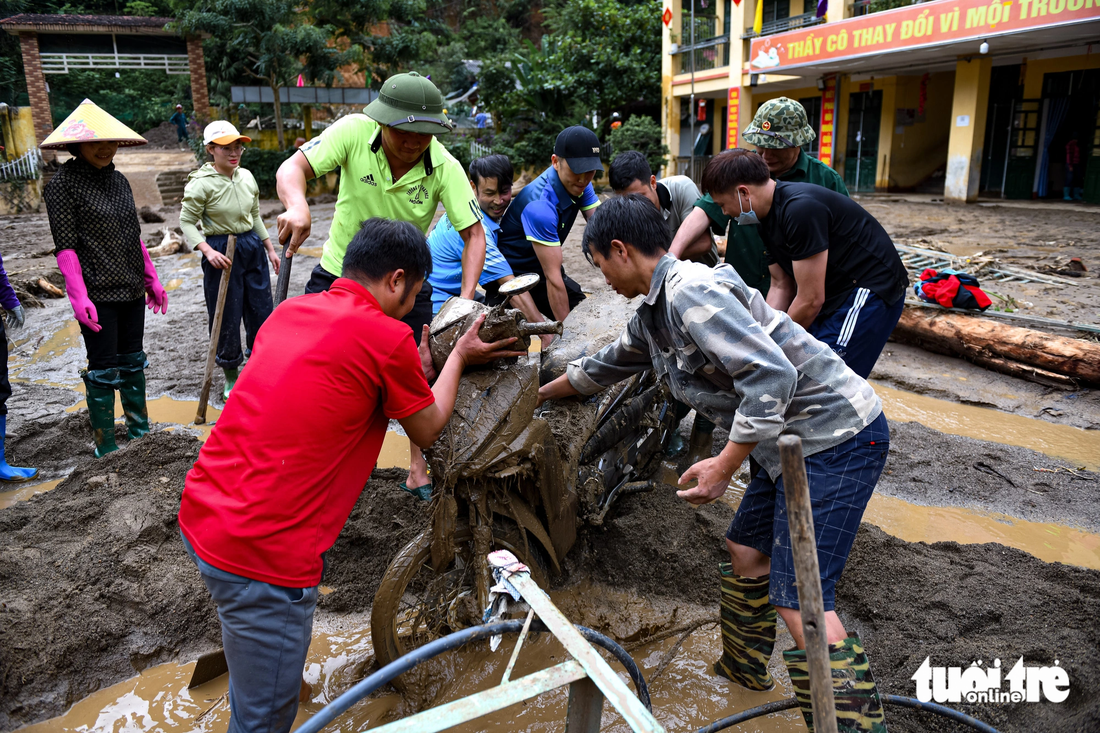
<point x="954" y="97"/>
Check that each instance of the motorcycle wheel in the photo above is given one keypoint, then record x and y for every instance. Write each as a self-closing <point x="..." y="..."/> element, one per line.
<point x="414" y="604"/>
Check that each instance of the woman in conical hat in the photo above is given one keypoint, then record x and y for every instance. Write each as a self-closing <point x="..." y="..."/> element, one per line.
<point x="108" y="273"/>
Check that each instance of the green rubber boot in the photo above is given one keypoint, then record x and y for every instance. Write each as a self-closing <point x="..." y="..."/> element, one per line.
<point x="748" y="630"/>
<point x="131" y="388"/>
<point x="230" y="379"/>
<point x="99" y="388"/>
<point x="858" y="705"/>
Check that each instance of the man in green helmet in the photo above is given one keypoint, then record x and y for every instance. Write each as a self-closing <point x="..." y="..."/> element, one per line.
<point x="779" y="130"/>
<point x="391" y="166"/>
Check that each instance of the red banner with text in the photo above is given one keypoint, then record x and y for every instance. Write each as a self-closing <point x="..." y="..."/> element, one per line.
<point x="828" y="122"/>
<point x="731" y="118"/>
<point x="926" y="24"/>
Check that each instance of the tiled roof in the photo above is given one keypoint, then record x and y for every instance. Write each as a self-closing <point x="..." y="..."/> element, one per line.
<point x="71" y="23"/>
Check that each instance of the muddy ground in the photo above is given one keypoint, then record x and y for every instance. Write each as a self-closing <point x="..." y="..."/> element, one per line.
<point x="105" y="553"/>
<point x="96" y="587"/>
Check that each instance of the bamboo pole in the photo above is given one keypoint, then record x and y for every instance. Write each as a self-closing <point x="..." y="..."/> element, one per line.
<point x="808" y="580"/>
<point x="215" y="332"/>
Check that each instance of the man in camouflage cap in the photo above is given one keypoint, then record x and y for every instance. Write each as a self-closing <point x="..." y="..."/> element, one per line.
<point x="392" y="166"/>
<point x="779" y="130"/>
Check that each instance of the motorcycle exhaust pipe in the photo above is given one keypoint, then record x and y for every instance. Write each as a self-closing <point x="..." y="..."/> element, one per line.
<point x="540" y="329"/>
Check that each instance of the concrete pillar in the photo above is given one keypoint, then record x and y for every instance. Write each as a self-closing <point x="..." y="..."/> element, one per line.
<point x="968" y="110"/>
<point x="670" y="110"/>
<point x="36" y="85"/>
<point x="200" y="98"/>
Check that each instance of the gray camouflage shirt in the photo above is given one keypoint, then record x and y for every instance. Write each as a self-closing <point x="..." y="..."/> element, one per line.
<point x="743" y="365"/>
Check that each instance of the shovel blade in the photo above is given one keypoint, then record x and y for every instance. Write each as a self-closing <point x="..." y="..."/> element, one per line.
<point x="209" y="666"/>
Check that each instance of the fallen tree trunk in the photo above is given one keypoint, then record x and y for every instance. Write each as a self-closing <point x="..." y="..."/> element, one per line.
<point x="1023" y="352"/>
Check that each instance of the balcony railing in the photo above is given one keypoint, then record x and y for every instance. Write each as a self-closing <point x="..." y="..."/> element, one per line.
<point x="710" y="53"/>
<point x="782" y="25"/>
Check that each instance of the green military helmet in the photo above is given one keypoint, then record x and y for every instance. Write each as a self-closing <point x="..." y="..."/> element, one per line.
<point x="780" y="123"/>
<point x="412" y="103"/>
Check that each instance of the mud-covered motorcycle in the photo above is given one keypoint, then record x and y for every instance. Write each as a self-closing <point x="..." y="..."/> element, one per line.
<point x="508" y="476"/>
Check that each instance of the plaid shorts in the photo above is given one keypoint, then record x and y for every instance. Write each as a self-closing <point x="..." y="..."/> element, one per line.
<point x="842" y="479"/>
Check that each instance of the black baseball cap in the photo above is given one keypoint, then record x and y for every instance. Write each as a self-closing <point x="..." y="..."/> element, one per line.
<point x="581" y="149"/>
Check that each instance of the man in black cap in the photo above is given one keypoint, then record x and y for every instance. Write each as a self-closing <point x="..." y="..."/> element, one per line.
<point x="540" y="217"/>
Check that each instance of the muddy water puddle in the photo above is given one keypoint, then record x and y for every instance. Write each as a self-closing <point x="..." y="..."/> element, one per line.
<point x="686" y="695"/>
<point x="24" y="492"/>
<point x="1081" y="447"/>
<point x="1047" y="541"/>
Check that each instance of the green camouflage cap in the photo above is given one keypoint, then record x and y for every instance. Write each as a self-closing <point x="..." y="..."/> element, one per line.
<point x="410" y="102"/>
<point x="780" y="123"/>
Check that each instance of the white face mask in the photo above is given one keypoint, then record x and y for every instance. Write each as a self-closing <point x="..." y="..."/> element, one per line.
<point x="746" y="218"/>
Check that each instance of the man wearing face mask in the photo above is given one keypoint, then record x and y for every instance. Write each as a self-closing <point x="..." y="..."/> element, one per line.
<point x="540" y="217"/>
<point x="778" y="131"/>
<point x="833" y="268"/>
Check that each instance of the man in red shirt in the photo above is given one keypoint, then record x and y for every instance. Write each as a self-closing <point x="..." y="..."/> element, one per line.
<point x="290" y="454"/>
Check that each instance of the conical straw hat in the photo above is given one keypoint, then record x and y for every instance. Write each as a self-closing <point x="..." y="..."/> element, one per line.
<point x="88" y="123"/>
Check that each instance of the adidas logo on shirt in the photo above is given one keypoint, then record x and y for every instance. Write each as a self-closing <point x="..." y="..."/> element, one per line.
<point x="369" y="178"/>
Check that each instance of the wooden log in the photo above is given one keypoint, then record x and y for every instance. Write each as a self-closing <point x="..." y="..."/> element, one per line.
<point x="49" y="288"/>
<point x="215" y="332"/>
<point x="1056" y="359"/>
<point x="807" y="573"/>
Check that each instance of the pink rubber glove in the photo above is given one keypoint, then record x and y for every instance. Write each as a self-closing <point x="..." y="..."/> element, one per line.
<point x="155" y="296"/>
<point x="83" y="307"/>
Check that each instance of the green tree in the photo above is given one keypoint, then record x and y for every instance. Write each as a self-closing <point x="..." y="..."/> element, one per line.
<point x="271" y="41"/>
<point x="643" y="134"/>
<point x="606" y="52"/>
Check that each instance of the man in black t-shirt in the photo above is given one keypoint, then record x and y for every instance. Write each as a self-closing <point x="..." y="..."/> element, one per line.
<point x="833" y="268"/>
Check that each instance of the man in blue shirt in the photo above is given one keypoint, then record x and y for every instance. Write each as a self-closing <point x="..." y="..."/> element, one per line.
<point x="491" y="180"/>
<point x="539" y="220"/>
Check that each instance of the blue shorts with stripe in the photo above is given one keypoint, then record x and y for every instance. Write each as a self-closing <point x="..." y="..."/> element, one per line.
<point x="841" y="480"/>
<point x="857" y="331"/>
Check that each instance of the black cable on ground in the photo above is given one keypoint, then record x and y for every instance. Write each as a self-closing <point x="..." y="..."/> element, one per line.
<point x="453" y="641"/>
<point x="907" y="702"/>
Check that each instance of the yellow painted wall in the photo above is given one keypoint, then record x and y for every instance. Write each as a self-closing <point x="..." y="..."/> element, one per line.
<point x="18" y="131"/>
<point x="1037" y="68"/>
<point x="919" y="149"/>
<point x="964" y="149"/>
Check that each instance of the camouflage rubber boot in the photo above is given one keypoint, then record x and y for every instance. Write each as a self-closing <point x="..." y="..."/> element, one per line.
<point x="131" y="390"/>
<point x="858" y="706"/>
<point x="748" y="630"/>
<point x="99" y="390"/>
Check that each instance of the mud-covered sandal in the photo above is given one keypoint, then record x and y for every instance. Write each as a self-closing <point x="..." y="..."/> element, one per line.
<point x="424" y="493"/>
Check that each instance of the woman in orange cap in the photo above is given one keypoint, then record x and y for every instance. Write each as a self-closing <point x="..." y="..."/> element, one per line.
<point x="226" y="200"/>
<point x="108" y="273"/>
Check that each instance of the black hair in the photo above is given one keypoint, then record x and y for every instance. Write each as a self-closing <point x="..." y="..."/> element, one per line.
<point x="732" y="168"/>
<point x="492" y="166"/>
<point x="628" y="166"/>
<point x="73" y="149"/>
<point x="382" y="246"/>
<point x="631" y="219"/>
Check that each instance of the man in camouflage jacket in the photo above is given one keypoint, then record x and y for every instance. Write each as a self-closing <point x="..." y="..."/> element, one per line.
<point x="758" y="374"/>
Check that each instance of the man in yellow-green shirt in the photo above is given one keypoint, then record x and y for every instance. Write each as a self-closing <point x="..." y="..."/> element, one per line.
<point x="393" y="167"/>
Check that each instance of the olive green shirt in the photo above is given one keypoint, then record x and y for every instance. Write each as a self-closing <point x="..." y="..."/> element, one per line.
<point x="745" y="249"/>
<point x="222" y="204"/>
